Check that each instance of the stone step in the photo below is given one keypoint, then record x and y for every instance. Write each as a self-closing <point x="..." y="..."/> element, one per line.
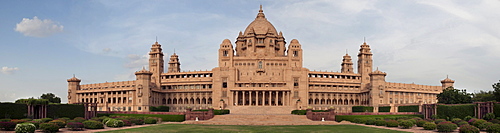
<point x="260" y="109"/>
<point x="260" y="119"/>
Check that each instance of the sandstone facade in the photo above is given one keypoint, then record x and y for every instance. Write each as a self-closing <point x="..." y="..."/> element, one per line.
<point x="259" y="70"/>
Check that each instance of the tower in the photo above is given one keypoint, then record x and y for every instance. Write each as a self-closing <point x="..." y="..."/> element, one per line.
<point x="174" y="65"/>
<point x="260" y="39"/>
<point x="226" y="53"/>
<point x="377" y="85"/>
<point x="347" y="64"/>
<point x="445" y="83"/>
<point x="73" y="85"/>
<point x="143" y="90"/>
<point x="295" y="53"/>
<point x="365" y="63"/>
<point x="156" y="63"/>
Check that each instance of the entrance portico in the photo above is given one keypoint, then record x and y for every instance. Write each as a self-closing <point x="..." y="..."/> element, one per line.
<point x="261" y="98"/>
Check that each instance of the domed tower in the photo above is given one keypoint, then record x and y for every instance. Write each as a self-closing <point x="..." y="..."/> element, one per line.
<point x="260" y="39"/>
<point x="377" y="87"/>
<point x="445" y="83"/>
<point x="365" y="63"/>
<point x="73" y="85"/>
<point x="174" y="65"/>
<point x="347" y="64"/>
<point x="156" y="63"/>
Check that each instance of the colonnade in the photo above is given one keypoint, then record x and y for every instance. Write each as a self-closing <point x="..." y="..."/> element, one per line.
<point x="261" y="98"/>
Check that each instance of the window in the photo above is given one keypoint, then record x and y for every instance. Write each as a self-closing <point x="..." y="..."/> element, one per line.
<point x="260" y="65"/>
<point x="138" y="108"/>
<point x="225" y="53"/>
<point x="224" y="84"/>
<point x="295" y="53"/>
<point x="295" y="82"/>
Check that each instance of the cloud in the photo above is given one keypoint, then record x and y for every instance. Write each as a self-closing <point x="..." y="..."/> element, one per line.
<point x="38" y="28"/>
<point x="136" y="61"/>
<point x="7" y="70"/>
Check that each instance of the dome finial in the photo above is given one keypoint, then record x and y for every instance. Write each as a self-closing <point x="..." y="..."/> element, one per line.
<point x="261" y="9"/>
<point x="261" y="13"/>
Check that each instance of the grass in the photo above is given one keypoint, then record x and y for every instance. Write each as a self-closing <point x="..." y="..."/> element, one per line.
<point x="184" y="128"/>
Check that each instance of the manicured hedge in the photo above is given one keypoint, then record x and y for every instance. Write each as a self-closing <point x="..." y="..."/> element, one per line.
<point x="455" y="111"/>
<point x="13" y="111"/>
<point x="65" y="110"/>
<point x="216" y="112"/>
<point x="159" y="109"/>
<point x="362" y="109"/>
<point x="352" y="117"/>
<point x="173" y="118"/>
<point x="299" y="112"/>
<point x="384" y="109"/>
<point x="496" y="109"/>
<point x="413" y="108"/>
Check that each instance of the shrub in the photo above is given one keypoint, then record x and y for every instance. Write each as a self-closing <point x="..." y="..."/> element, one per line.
<point x="98" y="118"/>
<point x="137" y="121"/>
<point x="472" y="120"/>
<point x="468" y="129"/>
<point x="421" y="123"/>
<point x="384" y="109"/>
<point x="437" y="121"/>
<point x="25" y="128"/>
<point x="380" y="122"/>
<point x="484" y="125"/>
<point x="299" y="112"/>
<point x="359" y="120"/>
<point x="7" y="125"/>
<point x="49" y="127"/>
<point x="456" y="120"/>
<point x="495" y="121"/>
<point x="446" y="127"/>
<point x="455" y="111"/>
<point x="489" y="116"/>
<point x="370" y="122"/>
<point x="430" y="126"/>
<point x="79" y="119"/>
<point x="17" y="121"/>
<point x="159" y="109"/>
<point x="106" y="120"/>
<point x="65" y="119"/>
<point x="114" y="123"/>
<point x="494" y="128"/>
<point x="392" y="123"/>
<point x="462" y="123"/>
<point x="44" y="120"/>
<point x="362" y="109"/>
<point x="5" y="120"/>
<point x="406" y="124"/>
<point x="91" y="124"/>
<point x="467" y="118"/>
<point x="126" y="122"/>
<point x="150" y="121"/>
<point x="477" y="123"/>
<point x="59" y="123"/>
<point x="413" y="121"/>
<point x="226" y="111"/>
<point x="75" y="126"/>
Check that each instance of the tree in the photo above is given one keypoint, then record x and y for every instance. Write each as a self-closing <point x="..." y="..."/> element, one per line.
<point x="496" y="90"/>
<point x="483" y="96"/>
<point x="451" y="95"/>
<point x="51" y="97"/>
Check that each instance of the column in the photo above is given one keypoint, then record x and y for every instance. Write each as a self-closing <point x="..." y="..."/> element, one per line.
<point x="269" y="102"/>
<point x="283" y="98"/>
<point x="243" y="98"/>
<point x="276" y="98"/>
<point x="237" y="100"/>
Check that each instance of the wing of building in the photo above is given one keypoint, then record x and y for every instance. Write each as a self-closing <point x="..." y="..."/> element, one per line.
<point x="259" y="70"/>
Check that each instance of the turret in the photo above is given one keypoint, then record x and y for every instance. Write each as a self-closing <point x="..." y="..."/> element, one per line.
<point x="365" y="63"/>
<point x="156" y="63"/>
<point x="377" y="85"/>
<point x="143" y="90"/>
<point x="445" y="83"/>
<point x="226" y="53"/>
<point x="295" y="53"/>
<point x="73" y="85"/>
<point x="347" y="64"/>
<point x="174" y="65"/>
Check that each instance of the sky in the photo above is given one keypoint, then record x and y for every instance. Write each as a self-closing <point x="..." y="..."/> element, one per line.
<point x="43" y="43"/>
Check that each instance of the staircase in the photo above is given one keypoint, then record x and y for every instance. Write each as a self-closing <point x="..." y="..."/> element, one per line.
<point x="262" y="119"/>
<point x="282" y="110"/>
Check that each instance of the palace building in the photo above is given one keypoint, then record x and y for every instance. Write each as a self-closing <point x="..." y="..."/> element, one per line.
<point x="260" y="70"/>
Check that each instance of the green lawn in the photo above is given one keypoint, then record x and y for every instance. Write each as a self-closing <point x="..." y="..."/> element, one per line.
<point x="254" y="129"/>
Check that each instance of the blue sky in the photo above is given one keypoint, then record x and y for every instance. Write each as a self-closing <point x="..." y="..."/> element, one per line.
<point x="43" y="43"/>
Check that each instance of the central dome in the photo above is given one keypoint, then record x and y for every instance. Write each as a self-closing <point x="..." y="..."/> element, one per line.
<point x="260" y="25"/>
